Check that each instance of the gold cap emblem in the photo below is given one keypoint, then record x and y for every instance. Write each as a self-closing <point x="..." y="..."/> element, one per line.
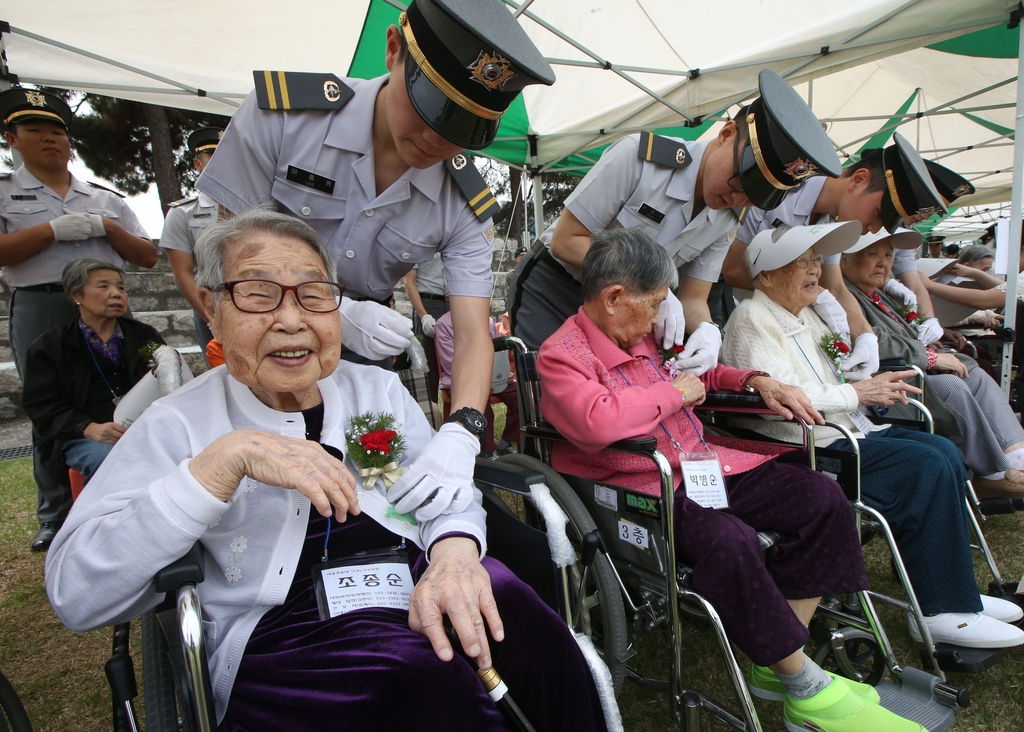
<point x="962" y="190"/>
<point x="800" y="169"/>
<point x="332" y="92"/>
<point x="35" y="99"/>
<point x="459" y="161"/>
<point x="491" y="71"/>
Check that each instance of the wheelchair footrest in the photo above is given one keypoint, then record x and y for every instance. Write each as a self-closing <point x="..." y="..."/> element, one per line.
<point x="967" y="660"/>
<point x="994" y="506"/>
<point x="1008" y="591"/>
<point x="915" y="699"/>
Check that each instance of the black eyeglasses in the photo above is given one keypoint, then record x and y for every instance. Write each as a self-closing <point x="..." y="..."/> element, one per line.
<point x="265" y="296"/>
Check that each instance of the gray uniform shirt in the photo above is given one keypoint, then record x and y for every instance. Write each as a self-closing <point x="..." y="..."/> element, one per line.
<point x="375" y="239"/>
<point x="615" y="189"/>
<point x="25" y="202"/>
<point x="430" y="277"/>
<point x="186" y="222"/>
<point x="795" y="210"/>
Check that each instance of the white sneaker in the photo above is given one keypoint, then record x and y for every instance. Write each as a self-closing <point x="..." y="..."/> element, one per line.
<point x="970" y="630"/>
<point x="1000" y="609"/>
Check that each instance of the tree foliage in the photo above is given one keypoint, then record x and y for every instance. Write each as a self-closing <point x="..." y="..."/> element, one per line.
<point x="504" y="181"/>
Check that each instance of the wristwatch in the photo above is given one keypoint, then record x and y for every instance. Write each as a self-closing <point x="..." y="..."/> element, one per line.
<point x="750" y="377"/>
<point x="471" y="419"/>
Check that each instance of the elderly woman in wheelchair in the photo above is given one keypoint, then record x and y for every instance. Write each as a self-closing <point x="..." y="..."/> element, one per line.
<point x="604" y="381"/>
<point x="915" y="479"/>
<point x="321" y="606"/>
<point x="968" y="406"/>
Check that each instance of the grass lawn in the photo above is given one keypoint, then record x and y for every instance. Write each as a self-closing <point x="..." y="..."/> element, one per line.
<point x="59" y="674"/>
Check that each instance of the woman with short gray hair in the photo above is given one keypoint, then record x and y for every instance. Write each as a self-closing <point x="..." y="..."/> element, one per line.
<point x="76" y="274"/>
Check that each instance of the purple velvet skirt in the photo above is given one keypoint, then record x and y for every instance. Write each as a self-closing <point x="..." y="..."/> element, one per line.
<point x="368" y="671"/>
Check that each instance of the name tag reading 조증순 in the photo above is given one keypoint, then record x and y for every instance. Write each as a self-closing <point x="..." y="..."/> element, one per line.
<point x="702" y="476"/>
<point x="342" y="589"/>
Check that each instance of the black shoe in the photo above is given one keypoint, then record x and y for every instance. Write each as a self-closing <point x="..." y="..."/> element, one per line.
<point x="44" y="537"/>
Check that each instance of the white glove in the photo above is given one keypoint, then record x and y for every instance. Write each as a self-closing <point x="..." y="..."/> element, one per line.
<point x="670" y="330"/>
<point x="862" y="362"/>
<point x="441" y="478"/>
<point x="929" y="331"/>
<point x="72" y="227"/>
<point x="372" y="330"/>
<point x="701" y="352"/>
<point x="898" y="291"/>
<point x="830" y="311"/>
<point x="427" y="322"/>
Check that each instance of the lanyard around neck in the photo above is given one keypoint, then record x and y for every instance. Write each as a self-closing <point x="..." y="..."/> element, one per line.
<point x="686" y="411"/>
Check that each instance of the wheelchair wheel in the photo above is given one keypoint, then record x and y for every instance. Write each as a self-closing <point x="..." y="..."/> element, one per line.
<point x="603" y="616"/>
<point x="863" y="658"/>
<point x="13" y="717"/>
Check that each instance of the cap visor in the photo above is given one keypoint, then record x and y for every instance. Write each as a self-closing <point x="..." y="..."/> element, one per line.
<point x="445" y="117"/>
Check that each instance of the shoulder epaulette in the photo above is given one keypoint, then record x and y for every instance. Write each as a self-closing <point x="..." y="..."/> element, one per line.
<point x="663" y="151"/>
<point x="479" y="195"/>
<point x="104" y="188"/>
<point x="183" y="201"/>
<point x="296" y="90"/>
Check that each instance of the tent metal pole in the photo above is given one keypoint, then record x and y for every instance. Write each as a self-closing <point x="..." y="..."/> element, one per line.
<point x="538" y="202"/>
<point x="1017" y="206"/>
<point x="4" y="86"/>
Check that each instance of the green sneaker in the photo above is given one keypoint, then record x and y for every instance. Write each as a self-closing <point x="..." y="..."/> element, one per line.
<point x="764" y="684"/>
<point x="837" y="709"/>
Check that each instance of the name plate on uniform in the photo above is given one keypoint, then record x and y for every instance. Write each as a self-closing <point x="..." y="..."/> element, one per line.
<point x="357" y="583"/>
<point x="310" y="180"/>
<point x="702" y="476"/>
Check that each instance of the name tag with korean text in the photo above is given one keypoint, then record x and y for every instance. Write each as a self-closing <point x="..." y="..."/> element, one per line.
<point x="356" y="583"/>
<point x="702" y="476"/>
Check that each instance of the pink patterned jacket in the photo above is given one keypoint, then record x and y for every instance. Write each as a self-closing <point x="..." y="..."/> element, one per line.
<point x="595" y="393"/>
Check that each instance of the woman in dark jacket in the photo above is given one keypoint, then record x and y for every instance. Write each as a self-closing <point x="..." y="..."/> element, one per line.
<point x="76" y="373"/>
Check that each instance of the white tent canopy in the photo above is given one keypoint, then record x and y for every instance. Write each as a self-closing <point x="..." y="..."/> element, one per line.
<point x="622" y="65"/>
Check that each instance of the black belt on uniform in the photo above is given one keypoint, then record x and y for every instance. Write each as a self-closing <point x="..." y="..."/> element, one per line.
<point x="47" y="287"/>
<point x="386" y="302"/>
<point x="555" y="265"/>
<point x="431" y="296"/>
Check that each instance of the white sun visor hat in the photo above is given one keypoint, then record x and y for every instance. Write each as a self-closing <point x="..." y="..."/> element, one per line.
<point x="900" y="239"/>
<point x="774" y="248"/>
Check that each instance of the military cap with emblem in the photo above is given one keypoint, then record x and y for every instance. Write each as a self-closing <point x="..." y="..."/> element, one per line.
<point x="950" y="184"/>
<point x="786" y="144"/>
<point x="467" y="61"/>
<point x="204" y="139"/>
<point x="22" y="105"/>
<point x="909" y="190"/>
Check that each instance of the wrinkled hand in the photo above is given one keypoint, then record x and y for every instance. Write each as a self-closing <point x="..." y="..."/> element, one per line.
<point x="701" y="352"/>
<point x="885" y="389"/>
<point x="955" y="337"/>
<point x="106" y="432"/>
<point x="441" y="478"/>
<point x="898" y="291"/>
<point x="428" y="323"/>
<point x="988" y="321"/>
<point x="692" y="389"/>
<point x="372" y="330"/>
<point x="831" y="312"/>
<point x="863" y="359"/>
<point x="287" y="462"/>
<point x="71" y="227"/>
<point x="929" y="331"/>
<point x="786" y="400"/>
<point x="456" y="584"/>
<point x="670" y="330"/>
<point x="949" y="363"/>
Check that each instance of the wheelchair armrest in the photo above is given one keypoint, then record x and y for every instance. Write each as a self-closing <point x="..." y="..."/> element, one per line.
<point x="187" y="569"/>
<point x="645" y="444"/>
<point x="513" y="478"/>
<point x="734" y="401"/>
<point x="889" y="364"/>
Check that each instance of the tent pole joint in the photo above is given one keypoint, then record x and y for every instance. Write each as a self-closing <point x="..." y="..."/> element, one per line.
<point x="694" y="73"/>
<point x="1015" y="16"/>
<point x="824" y="51"/>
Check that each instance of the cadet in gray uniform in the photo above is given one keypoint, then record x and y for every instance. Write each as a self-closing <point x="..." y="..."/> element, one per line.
<point x="48" y="219"/>
<point x="682" y="195"/>
<point x="185" y="222"/>
<point x="428" y="295"/>
<point x="377" y="168"/>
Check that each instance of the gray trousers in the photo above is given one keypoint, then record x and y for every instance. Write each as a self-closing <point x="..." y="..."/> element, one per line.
<point x="32" y="314"/>
<point x="986" y="422"/>
<point x="203" y="334"/>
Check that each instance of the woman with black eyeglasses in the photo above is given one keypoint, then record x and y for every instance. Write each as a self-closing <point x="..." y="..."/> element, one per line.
<point x="685" y="196"/>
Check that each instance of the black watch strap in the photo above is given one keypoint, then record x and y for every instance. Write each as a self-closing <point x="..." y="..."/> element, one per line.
<point x="471" y="419"/>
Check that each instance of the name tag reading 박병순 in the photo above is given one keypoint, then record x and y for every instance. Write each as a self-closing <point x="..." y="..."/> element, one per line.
<point x="702" y="476"/>
<point x="369" y="581"/>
